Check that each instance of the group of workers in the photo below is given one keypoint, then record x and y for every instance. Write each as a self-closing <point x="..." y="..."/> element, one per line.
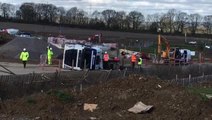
<point x="133" y="61"/>
<point x="24" y="56"/>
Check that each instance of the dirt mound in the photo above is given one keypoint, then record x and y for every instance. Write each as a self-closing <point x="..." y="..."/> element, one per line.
<point x="34" y="46"/>
<point x="114" y="98"/>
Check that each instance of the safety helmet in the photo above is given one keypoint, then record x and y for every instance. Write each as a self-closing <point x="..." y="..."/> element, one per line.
<point x="24" y="49"/>
<point x="105" y="52"/>
<point x="50" y="48"/>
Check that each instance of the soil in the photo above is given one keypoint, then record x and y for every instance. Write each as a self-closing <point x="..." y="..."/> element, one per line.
<point x="114" y="98"/>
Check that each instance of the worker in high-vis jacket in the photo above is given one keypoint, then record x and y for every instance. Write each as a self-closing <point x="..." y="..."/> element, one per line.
<point x="105" y="60"/>
<point x="24" y="56"/>
<point x="133" y="60"/>
<point x="49" y="55"/>
<point x="140" y="62"/>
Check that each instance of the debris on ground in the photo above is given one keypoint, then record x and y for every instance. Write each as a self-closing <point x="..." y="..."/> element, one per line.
<point x="140" y="108"/>
<point x="90" y="107"/>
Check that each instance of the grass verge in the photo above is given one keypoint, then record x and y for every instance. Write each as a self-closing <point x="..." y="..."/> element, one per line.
<point x="203" y="92"/>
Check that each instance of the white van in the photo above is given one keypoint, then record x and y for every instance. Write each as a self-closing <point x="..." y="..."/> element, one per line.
<point x="186" y="55"/>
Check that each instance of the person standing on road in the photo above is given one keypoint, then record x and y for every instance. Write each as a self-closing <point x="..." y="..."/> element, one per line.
<point x="105" y="60"/>
<point x="140" y="63"/>
<point x="133" y="60"/>
<point x="24" y="56"/>
<point x="49" y="55"/>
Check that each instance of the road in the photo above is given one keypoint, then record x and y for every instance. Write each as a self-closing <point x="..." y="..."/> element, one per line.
<point x="18" y="69"/>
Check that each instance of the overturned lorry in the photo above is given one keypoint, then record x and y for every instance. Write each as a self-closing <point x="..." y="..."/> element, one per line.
<point x="81" y="56"/>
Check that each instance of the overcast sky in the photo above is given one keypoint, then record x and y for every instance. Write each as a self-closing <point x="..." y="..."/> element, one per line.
<point x="203" y="7"/>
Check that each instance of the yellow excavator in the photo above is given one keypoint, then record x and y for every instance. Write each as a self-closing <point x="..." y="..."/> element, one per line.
<point x="169" y="55"/>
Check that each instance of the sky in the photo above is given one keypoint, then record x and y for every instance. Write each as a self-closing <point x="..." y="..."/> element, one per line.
<point x="203" y="7"/>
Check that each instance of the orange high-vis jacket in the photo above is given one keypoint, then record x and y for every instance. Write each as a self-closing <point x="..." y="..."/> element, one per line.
<point x="133" y="58"/>
<point x="106" y="57"/>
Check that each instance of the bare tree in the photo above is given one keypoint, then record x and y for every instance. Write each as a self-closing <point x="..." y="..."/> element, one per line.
<point x="154" y="22"/>
<point x="181" y="21"/>
<point x="6" y="9"/>
<point x="164" y="23"/>
<point x="194" y="20"/>
<point x="171" y="17"/>
<point x="39" y="9"/>
<point x="61" y="13"/>
<point x="95" y="17"/>
<point x="120" y="18"/>
<point x="18" y="15"/>
<point x="108" y="16"/>
<point x="52" y="11"/>
<point x="136" y="18"/>
<point x="208" y="23"/>
<point x="82" y="17"/>
<point x="72" y="15"/>
<point x="96" y="20"/>
<point x="28" y="13"/>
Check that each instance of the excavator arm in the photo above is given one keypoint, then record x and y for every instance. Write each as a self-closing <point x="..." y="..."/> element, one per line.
<point x="164" y="54"/>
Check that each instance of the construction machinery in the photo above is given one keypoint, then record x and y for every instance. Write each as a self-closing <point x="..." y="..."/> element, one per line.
<point x="164" y="54"/>
<point x="173" y="55"/>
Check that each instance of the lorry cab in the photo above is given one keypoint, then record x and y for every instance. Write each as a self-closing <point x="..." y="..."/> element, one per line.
<point x="78" y="57"/>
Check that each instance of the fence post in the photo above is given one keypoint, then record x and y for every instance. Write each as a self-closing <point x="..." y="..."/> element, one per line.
<point x="203" y="76"/>
<point x="183" y="82"/>
<point x="81" y="87"/>
<point x="189" y="79"/>
<point x="176" y="78"/>
<point x="125" y="70"/>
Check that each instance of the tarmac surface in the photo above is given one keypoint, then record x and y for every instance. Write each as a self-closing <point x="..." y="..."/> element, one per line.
<point x="17" y="68"/>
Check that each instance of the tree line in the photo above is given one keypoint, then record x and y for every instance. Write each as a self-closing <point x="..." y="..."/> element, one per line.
<point x="171" y="22"/>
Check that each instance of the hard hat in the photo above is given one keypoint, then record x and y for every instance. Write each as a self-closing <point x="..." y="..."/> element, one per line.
<point x="105" y="52"/>
<point x="50" y="48"/>
<point x="24" y="49"/>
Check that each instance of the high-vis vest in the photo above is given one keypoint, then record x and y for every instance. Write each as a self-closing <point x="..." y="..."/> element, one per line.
<point x="140" y="61"/>
<point x="106" y="57"/>
<point x="24" y="56"/>
<point x="49" y="53"/>
<point x="133" y="58"/>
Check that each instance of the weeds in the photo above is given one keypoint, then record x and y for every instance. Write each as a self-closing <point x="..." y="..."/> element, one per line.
<point x="61" y="95"/>
<point x="31" y="101"/>
<point x="202" y="92"/>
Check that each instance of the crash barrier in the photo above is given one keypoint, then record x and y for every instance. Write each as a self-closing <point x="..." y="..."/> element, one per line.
<point x="12" y="86"/>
